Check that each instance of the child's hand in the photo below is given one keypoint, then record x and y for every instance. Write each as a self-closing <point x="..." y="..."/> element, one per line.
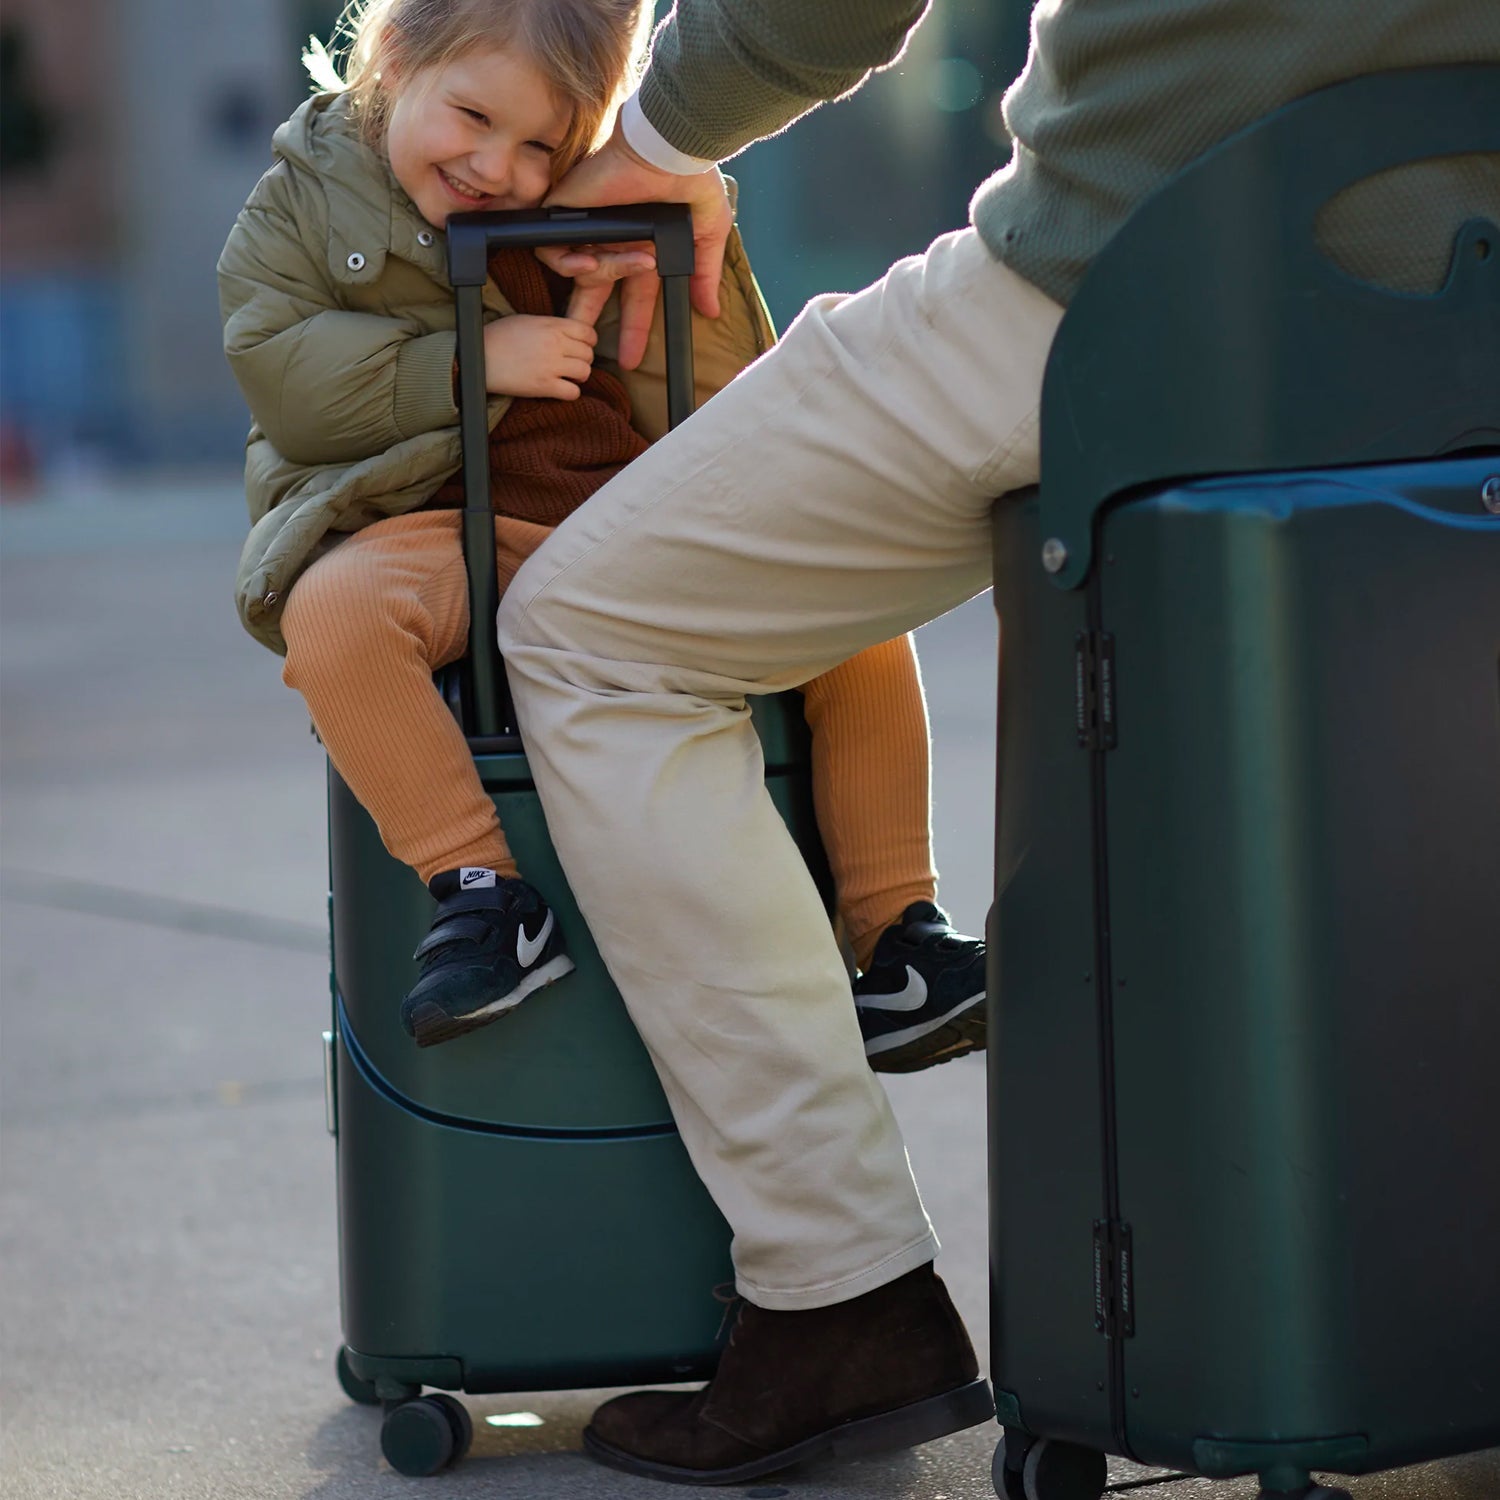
<point x="535" y="356"/>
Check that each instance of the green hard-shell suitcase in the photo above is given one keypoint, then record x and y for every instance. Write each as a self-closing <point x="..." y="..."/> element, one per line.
<point x="516" y="1209"/>
<point x="1245" y="1138"/>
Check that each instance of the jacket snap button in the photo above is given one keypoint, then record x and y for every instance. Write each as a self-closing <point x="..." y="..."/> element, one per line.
<point x="272" y="597"/>
<point x="424" y="237"/>
<point x="356" y="262"/>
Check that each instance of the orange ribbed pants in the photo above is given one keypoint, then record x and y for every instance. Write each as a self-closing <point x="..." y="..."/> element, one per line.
<point x="371" y="620"/>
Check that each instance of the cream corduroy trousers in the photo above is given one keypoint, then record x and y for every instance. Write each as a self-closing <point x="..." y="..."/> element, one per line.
<point x="835" y="495"/>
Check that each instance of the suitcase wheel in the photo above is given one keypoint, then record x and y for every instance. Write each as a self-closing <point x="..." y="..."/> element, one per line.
<point x="362" y="1391"/>
<point x="458" y="1419"/>
<point x="1028" y="1468"/>
<point x="424" y="1436"/>
<point x="1006" y="1470"/>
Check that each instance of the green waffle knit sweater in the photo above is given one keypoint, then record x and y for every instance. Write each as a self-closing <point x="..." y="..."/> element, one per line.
<point x="1116" y="97"/>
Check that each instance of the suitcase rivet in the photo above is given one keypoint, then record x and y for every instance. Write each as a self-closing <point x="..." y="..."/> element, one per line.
<point x="1489" y="492"/>
<point x="1054" y="554"/>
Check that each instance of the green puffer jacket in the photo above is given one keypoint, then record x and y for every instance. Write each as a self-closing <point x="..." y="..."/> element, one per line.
<point x="338" y="324"/>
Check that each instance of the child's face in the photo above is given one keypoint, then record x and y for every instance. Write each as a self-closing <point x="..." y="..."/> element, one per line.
<point x="479" y="132"/>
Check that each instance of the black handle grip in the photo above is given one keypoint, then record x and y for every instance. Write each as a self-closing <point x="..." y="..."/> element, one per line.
<point x="472" y="239"/>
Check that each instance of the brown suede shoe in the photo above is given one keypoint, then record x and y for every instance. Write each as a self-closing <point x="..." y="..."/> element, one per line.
<point x="890" y="1369"/>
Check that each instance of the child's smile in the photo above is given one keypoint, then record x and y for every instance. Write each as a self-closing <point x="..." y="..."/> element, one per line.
<point x="477" y="133"/>
<point x="462" y="190"/>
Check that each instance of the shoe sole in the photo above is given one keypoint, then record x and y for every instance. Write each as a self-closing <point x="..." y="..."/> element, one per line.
<point x="433" y="1025"/>
<point x="905" y="1427"/>
<point x="963" y="1030"/>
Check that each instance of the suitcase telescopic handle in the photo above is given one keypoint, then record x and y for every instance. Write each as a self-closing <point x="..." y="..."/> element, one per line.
<point x="472" y="239"/>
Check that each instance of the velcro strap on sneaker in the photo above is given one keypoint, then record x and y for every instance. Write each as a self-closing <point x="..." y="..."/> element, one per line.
<point x="454" y="929"/>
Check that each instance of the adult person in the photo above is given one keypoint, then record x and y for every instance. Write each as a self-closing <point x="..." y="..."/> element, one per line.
<point x="836" y="495"/>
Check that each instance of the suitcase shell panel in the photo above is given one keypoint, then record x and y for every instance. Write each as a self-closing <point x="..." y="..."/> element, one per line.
<point x="516" y="1208"/>
<point x="515" y="1262"/>
<point x="1303" y="847"/>
<point x="1304" y="855"/>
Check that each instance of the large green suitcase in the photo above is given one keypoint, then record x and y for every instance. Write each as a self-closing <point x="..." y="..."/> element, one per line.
<point x="516" y="1208"/>
<point x="1245" y="1153"/>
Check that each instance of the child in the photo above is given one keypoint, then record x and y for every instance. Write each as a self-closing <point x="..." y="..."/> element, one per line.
<point x="339" y="328"/>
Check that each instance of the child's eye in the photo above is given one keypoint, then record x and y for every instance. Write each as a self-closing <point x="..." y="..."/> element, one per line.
<point x="473" y="114"/>
<point x="543" y="147"/>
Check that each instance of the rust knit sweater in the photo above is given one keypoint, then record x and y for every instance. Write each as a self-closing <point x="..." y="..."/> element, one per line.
<point x="547" y="456"/>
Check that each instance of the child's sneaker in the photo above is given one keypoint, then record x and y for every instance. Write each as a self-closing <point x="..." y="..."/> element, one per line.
<point x="492" y="942"/>
<point x="922" y="1000"/>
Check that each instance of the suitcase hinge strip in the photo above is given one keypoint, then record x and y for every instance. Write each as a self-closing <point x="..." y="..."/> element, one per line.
<point x="1094" y="689"/>
<point x="1114" y="1297"/>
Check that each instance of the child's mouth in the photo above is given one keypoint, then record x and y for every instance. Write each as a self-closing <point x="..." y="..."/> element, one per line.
<point x="462" y="191"/>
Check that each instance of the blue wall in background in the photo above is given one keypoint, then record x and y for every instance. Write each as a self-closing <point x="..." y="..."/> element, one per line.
<point x="60" y="362"/>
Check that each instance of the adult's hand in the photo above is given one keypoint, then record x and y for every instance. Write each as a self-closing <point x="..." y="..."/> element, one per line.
<point x="616" y="174"/>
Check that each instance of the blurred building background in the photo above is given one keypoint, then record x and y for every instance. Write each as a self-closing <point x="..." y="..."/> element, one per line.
<point x="131" y="131"/>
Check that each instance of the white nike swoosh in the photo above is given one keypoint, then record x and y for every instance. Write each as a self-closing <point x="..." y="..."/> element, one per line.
<point x="913" y="997"/>
<point x="528" y="948"/>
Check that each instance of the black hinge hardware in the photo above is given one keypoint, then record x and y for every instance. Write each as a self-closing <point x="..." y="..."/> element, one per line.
<point x="1114" y="1298"/>
<point x="1094" y="689"/>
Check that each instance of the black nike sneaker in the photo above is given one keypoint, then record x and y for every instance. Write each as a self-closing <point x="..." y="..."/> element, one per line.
<point x="922" y="1000"/>
<point x="492" y="942"/>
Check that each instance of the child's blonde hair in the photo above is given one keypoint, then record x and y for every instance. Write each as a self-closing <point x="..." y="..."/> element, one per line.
<point x="589" y="51"/>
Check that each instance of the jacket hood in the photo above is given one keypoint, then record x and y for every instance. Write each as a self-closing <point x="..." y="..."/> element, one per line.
<point x="369" y="213"/>
<point x="321" y="138"/>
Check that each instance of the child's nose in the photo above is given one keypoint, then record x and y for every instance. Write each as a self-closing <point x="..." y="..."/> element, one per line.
<point x="495" y="164"/>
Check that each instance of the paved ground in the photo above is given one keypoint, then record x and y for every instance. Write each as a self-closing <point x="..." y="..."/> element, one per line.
<point x="170" y="1299"/>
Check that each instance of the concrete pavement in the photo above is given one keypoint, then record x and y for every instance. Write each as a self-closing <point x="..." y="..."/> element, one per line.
<point x="170" y="1297"/>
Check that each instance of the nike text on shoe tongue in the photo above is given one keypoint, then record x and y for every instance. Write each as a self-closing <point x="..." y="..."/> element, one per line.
<point x="473" y="877"/>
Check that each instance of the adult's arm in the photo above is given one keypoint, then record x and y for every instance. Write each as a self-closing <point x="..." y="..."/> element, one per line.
<point x="723" y="73"/>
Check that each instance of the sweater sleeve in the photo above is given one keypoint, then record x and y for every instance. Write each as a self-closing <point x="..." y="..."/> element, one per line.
<point x="325" y="385"/>
<point x="725" y="73"/>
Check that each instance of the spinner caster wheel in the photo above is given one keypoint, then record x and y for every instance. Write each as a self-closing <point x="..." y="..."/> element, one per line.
<point x="459" y="1419"/>
<point x="424" y="1436"/>
<point x="1007" y="1470"/>
<point x="1062" y="1471"/>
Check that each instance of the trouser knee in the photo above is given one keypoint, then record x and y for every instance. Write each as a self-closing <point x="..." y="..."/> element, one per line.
<point x="334" y="631"/>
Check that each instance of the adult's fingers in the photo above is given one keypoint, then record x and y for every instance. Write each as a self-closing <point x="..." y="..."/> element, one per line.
<point x="637" y="308"/>
<point x="568" y="260"/>
<point x="712" y="220"/>
<point x="708" y="266"/>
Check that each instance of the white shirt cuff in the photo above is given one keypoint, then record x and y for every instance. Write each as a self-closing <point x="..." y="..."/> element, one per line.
<point x="647" y="141"/>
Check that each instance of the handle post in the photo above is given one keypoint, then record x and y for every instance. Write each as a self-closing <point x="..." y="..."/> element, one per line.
<point x="472" y="239"/>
